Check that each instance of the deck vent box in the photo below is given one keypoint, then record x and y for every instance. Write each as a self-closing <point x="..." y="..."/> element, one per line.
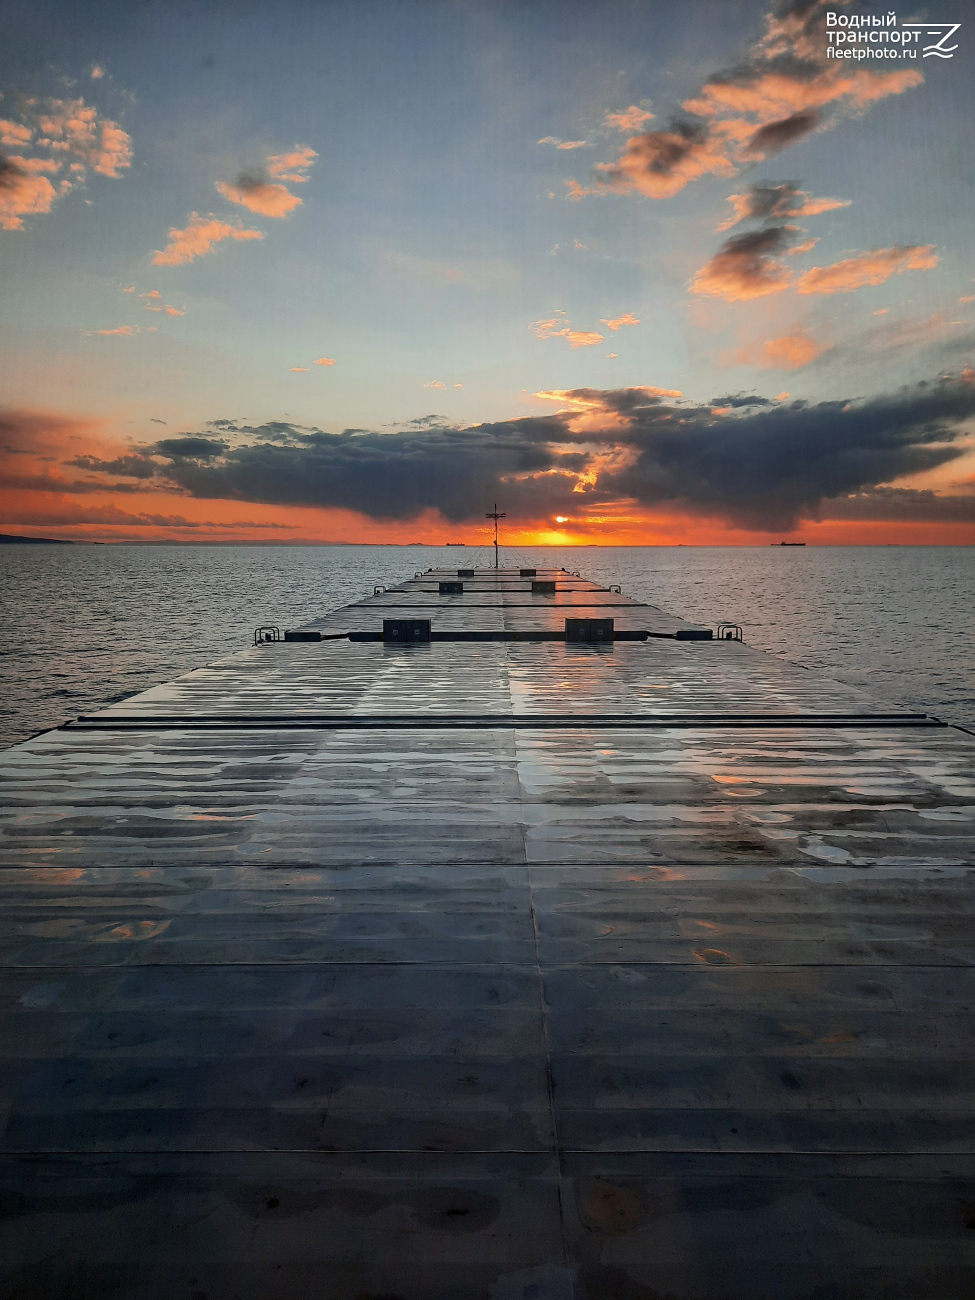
<point x="589" y="630"/>
<point x="528" y="573"/>
<point x="543" y="587"/>
<point x="451" y="589"/>
<point x="695" y="634"/>
<point x="406" y="630"/>
<point x="465" y="573"/>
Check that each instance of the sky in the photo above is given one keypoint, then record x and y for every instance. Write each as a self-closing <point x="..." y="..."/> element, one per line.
<point x="639" y="272"/>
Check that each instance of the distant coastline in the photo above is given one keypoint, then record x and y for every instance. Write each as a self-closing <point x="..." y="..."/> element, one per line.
<point x="44" y="541"/>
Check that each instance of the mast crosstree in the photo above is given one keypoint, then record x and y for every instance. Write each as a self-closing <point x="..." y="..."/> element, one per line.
<point x="493" y="514"/>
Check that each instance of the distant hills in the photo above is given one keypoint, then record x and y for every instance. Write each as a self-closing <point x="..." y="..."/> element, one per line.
<point x="30" y="541"/>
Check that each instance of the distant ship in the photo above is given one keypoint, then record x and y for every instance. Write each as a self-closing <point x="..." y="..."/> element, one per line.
<point x="787" y="543"/>
<point x="456" y="543"/>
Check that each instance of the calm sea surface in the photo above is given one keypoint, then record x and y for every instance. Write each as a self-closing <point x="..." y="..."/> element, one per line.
<point x="83" y="626"/>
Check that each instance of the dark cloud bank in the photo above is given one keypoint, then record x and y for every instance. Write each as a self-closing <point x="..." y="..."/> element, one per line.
<point x="762" y="465"/>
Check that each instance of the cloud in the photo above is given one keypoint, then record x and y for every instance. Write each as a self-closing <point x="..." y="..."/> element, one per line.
<point x="259" y="195"/>
<point x="868" y="269"/>
<point x="174" y="311"/>
<point x="152" y="293"/>
<point x="24" y="190"/>
<point x="136" y="466"/>
<point x="782" y="91"/>
<point x="130" y="288"/>
<point x="563" y="144"/>
<point x="325" y="361"/>
<point x="107" y="514"/>
<point x="764" y="465"/>
<point x="622" y="401"/>
<point x="77" y="128"/>
<point x="661" y="163"/>
<point x="434" y="383"/>
<point x="630" y="119"/>
<point x="299" y="370"/>
<point x="194" y="446"/>
<point x="626" y="319"/>
<point x="260" y="190"/>
<point x="900" y="504"/>
<point x="472" y="274"/>
<point x="97" y="72"/>
<point x="125" y="330"/>
<point x="766" y="201"/>
<point x="736" y="401"/>
<point x="14" y="135"/>
<point x="71" y="137"/>
<point x="546" y="329"/>
<point x="775" y="136"/>
<point x="199" y="237"/>
<point x="291" y="166"/>
<point x="934" y="333"/>
<point x="746" y="266"/>
<point x="790" y="352"/>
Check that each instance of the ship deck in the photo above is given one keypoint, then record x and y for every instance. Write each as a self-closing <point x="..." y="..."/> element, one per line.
<point x="489" y="968"/>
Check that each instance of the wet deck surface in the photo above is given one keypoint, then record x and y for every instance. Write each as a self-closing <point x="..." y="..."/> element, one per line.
<point x="497" y="969"/>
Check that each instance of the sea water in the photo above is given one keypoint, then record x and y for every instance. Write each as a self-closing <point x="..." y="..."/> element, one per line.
<point x="84" y="626"/>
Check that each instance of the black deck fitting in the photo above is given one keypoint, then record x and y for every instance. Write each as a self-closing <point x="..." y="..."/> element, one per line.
<point x="403" y="630"/>
<point x="589" y="630"/>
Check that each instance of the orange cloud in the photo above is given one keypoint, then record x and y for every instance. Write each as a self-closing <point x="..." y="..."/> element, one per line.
<point x="23" y="190"/>
<point x="545" y="329"/>
<point x="174" y="311"/>
<point x="65" y="130"/>
<point x="76" y="127"/>
<point x="790" y="352"/>
<point x="125" y="330"/>
<point x="767" y="202"/>
<point x="260" y="196"/>
<point x="627" y="319"/>
<point x="746" y="267"/>
<point x="435" y="383"/>
<point x="661" y="163"/>
<point x="199" y="237"/>
<point x="291" y="166"/>
<point x="563" y="144"/>
<point x="299" y="370"/>
<point x="585" y="400"/>
<point x="868" y="269"/>
<point x="630" y="119"/>
<point x="14" y="135"/>
<point x="783" y="90"/>
<point x="153" y="293"/>
<point x="325" y="361"/>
